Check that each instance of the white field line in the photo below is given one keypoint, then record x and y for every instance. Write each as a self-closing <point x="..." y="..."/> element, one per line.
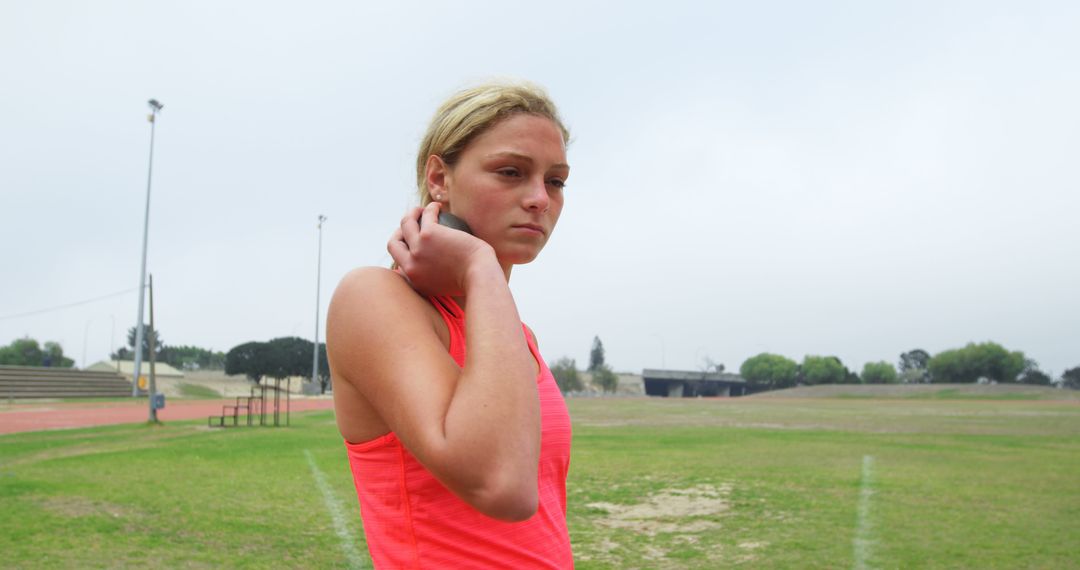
<point x="348" y="543"/>
<point x="863" y="528"/>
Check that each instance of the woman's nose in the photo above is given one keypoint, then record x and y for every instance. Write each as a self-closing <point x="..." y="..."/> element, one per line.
<point x="537" y="197"/>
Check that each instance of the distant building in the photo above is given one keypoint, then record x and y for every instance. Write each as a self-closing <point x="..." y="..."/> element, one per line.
<point x="691" y="384"/>
<point x="127" y="368"/>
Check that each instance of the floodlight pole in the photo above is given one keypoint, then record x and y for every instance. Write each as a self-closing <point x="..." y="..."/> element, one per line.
<point x="155" y="107"/>
<point x="152" y="387"/>
<point x="318" y="284"/>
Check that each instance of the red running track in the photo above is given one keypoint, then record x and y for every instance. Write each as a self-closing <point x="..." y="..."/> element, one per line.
<point x="22" y="417"/>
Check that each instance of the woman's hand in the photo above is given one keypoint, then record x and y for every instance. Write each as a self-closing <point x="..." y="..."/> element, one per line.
<point x="436" y="259"/>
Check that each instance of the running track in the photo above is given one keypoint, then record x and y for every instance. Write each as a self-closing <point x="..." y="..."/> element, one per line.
<point x="22" y="417"/>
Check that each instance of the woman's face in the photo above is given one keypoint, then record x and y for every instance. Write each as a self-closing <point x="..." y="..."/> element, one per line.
<point x="508" y="186"/>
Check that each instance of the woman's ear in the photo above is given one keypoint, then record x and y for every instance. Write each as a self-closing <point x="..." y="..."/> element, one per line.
<point x="437" y="174"/>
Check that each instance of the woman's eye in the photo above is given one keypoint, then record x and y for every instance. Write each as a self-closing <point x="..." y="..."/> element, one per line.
<point x="557" y="183"/>
<point x="508" y="172"/>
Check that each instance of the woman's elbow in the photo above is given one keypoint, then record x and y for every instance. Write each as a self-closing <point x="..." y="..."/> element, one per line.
<point x="510" y="503"/>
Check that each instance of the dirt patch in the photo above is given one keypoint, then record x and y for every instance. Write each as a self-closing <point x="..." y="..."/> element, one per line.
<point x="77" y="507"/>
<point x="678" y="511"/>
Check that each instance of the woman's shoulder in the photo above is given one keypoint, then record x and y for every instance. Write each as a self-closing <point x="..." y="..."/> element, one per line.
<point x="374" y="286"/>
<point x="368" y="278"/>
<point x="373" y="297"/>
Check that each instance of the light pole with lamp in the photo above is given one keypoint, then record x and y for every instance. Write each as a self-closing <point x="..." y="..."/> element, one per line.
<point x="155" y="107"/>
<point x="318" y="284"/>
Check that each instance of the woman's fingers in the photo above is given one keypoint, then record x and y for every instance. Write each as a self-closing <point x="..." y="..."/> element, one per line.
<point x="429" y="218"/>
<point x="410" y="228"/>
<point x="399" y="250"/>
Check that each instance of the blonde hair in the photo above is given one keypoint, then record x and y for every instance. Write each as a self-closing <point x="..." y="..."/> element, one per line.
<point x="470" y="112"/>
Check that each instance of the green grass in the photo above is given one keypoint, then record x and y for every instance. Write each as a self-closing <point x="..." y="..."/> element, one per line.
<point x="197" y="392"/>
<point x="654" y="483"/>
<point x="946" y="394"/>
<point x="954" y="394"/>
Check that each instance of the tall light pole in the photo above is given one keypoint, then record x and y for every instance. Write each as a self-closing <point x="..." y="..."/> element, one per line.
<point x="155" y="107"/>
<point x="318" y="285"/>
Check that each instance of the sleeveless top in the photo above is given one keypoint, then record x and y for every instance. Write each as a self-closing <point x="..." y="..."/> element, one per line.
<point x="412" y="521"/>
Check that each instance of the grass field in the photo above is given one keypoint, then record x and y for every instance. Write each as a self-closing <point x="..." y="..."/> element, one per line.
<point x="654" y="483"/>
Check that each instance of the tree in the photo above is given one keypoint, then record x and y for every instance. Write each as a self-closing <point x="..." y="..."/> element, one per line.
<point x="710" y="365"/>
<point x="1071" y="378"/>
<point x="324" y="369"/>
<point x="823" y="370"/>
<point x="26" y="352"/>
<point x="192" y="358"/>
<point x="769" y="371"/>
<point x="289" y="356"/>
<point x="279" y="358"/>
<point x="913" y="367"/>
<point x="21" y="352"/>
<point x="128" y="353"/>
<point x="985" y="360"/>
<point x="916" y="359"/>
<point x="566" y="375"/>
<point x="878" y="373"/>
<point x="603" y="377"/>
<point x="53" y="355"/>
<point x="250" y="359"/>
<point x="596" y="355"/>
<point x="1032" y="375"/>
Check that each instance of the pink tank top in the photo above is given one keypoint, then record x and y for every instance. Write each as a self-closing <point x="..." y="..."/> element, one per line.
<point x="412" y="521"/>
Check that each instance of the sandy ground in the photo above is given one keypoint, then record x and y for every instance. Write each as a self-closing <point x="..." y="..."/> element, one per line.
<point x="227" y="386"/>
<point x="45" y="415"/>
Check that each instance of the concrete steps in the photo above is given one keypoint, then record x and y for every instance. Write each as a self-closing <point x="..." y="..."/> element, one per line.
<point x="40" y="382"/>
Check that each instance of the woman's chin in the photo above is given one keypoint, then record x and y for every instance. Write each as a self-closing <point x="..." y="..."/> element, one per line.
<point x="519" y="255"/>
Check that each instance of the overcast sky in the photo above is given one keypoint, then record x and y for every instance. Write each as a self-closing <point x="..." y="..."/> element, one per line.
<point x="846" y="178"/>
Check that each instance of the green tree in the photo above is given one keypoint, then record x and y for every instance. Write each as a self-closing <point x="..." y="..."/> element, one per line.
<point x="823" y="370"/>
<point x="1071" y="378"/>
<point x="250" y="359"/>
<point x="916" y="359"/>
<point x="769" y="371"/>
<point x="289" y="356"/>
<point x="192" y="358"/>
<point x="53" y="355"/>
<point x="566" y="375"/>
<point x="21" y="352"/>
<point x="605" y="379"/>
<point x="878" y="373"/>
<point x="324" y="369"/>
<point x="1031" y="375"/>
<point x="985" y="360"/>
<point x="913" y="367"/>
<point x="27" y="352"/>
<point x="128" y="353"/>
<point x="596" y="355"/>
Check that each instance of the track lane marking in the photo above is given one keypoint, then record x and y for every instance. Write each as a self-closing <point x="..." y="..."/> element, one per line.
<point x="348" y="542"/>
<point x="863" y="527"/>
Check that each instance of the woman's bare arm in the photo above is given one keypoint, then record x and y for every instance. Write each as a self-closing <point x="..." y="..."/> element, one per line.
<point x="477" y="429"/>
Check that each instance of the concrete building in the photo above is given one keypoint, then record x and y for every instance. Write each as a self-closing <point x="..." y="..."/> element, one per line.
<point x="127" y="369"/>
<point x="690" y="384"/>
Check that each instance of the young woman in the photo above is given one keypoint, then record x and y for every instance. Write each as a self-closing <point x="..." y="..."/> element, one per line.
<point x="457" y="435"/>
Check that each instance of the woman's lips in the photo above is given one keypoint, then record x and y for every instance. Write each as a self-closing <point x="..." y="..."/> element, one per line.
<point x="533" y="228"/>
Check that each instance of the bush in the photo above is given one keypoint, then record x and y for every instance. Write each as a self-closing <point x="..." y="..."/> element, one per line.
<point x="566" y="375"/>
<point x="605" y="379"/>
<point x="878" y="373"/>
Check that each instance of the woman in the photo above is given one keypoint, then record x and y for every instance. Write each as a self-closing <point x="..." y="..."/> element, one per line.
<point x="457" y="435"/>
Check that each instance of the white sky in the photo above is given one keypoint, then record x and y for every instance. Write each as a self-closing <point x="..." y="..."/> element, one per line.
<point x="856" y="179"/>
